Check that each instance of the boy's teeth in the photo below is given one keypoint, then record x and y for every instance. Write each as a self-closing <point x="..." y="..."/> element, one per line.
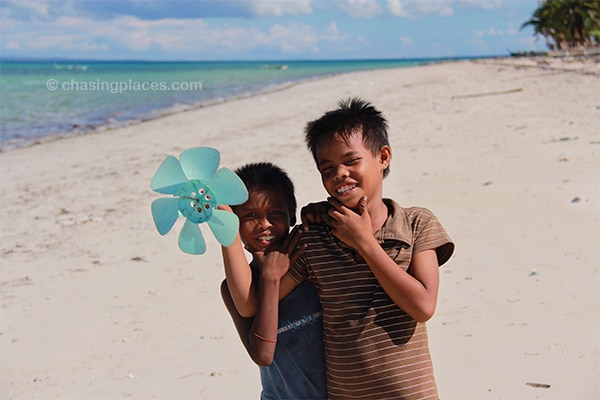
<point x="266" y="238"/>
<point x="345" y="188"/>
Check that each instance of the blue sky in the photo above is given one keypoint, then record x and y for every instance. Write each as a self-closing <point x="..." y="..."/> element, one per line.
<point x="264" y="29"/>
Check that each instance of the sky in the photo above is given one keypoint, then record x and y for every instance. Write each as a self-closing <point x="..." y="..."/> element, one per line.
<point x="264" y="29"/>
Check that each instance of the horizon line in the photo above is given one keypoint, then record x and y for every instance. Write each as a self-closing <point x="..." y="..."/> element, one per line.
<point x="70" y="59"/>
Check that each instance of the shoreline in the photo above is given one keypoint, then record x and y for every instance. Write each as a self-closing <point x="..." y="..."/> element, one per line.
<point x="160" y="113"/>
<point x="96" y="304"/>
<point x="14" y="144"/>
<point x="586" y="65"/>
<point x="175" y="108"/>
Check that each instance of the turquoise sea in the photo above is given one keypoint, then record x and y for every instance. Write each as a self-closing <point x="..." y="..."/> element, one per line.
<point x="39" y="99"/>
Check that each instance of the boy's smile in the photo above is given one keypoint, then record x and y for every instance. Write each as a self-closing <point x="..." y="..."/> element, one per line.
<point x="345" y="189"/>
<point x="349" y="170"/>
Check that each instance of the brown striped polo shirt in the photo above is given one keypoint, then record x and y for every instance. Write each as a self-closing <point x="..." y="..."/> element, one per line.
<point x="373" y="348"/>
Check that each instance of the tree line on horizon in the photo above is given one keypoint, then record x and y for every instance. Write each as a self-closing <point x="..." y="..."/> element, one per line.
<point x="566" y="24"/>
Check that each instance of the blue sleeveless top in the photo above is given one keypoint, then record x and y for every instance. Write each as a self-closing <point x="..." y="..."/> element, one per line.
<point x="298" y="368"/>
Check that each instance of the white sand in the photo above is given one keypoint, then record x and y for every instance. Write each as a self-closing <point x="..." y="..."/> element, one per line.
<point x="95" y="304"/>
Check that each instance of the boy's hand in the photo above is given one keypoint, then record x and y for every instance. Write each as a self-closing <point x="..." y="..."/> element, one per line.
<point x="314" y="213"/>
<point x="274" y="263"/>
<point x="352" y="228"/>
<point x="224" y="207"/>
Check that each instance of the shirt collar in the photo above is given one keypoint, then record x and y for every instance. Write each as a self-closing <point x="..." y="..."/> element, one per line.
<point x="396" y="226"/>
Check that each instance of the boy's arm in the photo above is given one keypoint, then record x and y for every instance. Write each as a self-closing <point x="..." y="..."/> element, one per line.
<point x="286" y="285"/>
<point x="274" y="265"/>
<point x="257" y="334"/>
<point x="415" y="290"/>
<point x="239" y="278"/>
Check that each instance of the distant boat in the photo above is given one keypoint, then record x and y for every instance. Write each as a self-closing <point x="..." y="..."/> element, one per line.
<point x="75" y="67"/>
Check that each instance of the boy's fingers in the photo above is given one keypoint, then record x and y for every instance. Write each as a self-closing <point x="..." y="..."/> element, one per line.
<point x="337" y="206"/>
<point x="362" y="205"/>
<point x="309" y="217"/>
<point x="297" y="253"/>
<point x="335" y="203"/>
<point x="313" y="213"/>
<point x="292" y="239"/>
<point x="304" y="217"/>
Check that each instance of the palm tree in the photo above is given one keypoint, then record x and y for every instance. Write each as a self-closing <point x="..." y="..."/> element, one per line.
<point x="567" y="23"/>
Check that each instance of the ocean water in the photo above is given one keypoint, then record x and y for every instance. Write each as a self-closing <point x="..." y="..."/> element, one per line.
<point x="41" y="99"/>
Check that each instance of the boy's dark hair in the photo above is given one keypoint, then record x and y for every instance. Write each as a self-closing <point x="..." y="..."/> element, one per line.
<point x="353" y="116"/>
<point x="266" y="176"/>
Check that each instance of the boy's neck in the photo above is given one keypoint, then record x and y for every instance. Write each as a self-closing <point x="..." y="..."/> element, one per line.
<point x="378" y="212"/>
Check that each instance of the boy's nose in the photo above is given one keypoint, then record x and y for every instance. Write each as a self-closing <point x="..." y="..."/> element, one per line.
<point x="264" y="223"/>
<point x="341" y="173"/>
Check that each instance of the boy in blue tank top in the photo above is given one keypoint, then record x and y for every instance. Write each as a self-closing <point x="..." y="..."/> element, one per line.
<point x="283" y="337"/>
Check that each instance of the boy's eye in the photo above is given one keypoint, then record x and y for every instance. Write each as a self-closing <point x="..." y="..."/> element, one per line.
<point x="353" y="161"/>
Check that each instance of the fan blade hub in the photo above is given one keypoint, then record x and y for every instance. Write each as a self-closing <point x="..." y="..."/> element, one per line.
<point x="196" y="201"/>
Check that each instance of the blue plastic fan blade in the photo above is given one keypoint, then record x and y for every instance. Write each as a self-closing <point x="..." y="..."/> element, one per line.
<point x="191" y="240"/>
<point x="200" y="163"/>
<point x="165" y="212"/>
<point x="169" y="177"/>
<point x="224" y="225"/>
<point x="228" y="187"/>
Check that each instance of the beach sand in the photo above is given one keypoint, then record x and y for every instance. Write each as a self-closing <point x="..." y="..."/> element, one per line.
<point x="95" y="304"/>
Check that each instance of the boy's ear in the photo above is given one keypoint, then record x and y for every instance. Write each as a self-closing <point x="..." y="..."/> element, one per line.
<point x="385" y="156"/>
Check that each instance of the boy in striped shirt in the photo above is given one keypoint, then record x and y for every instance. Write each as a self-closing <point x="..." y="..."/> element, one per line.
<point x="374" y="263"/>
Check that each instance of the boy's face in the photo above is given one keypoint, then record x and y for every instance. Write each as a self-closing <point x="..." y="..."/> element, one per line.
<point x="264" y="219"/>
<point x="350" y="171"/>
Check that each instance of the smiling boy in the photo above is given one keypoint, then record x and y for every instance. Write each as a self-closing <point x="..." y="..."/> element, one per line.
<point x="374" y="264"/>
<point x="283" y="337"/>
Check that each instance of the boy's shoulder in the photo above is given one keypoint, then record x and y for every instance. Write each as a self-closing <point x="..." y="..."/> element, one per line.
<point x="426" y="230"/>
<point x="410" y="213"/>
<point x="418" y="212"/>
<point x="410" y="219"/>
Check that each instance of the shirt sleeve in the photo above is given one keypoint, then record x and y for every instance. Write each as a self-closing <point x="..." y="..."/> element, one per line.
<point x="429" y="234"/>
<point x="298" y="270"/>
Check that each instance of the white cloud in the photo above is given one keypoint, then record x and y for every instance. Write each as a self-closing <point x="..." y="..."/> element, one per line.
<point x="12" y="46"/>
<point x="228" y="29"/>
<point x="86" y="37"/>
<point x="360" y="8"/>
<point x="398" y="9"/>
<point x="292" y="38"/>
<point x="482" y="4"/>
<point x="491" y="31"/>
<point x="416" y="8"/>
<point x="279" y="8"/>
<point x="27" y="10"/>
<point x="25" y="7"/>
<point x="332" y="29"/>
<point x="332" y="34"/>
